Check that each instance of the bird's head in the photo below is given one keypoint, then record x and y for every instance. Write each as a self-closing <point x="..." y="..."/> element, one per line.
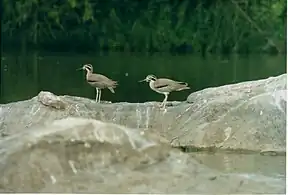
<point x="87" y="67"/>
<point x="149" y="78"/>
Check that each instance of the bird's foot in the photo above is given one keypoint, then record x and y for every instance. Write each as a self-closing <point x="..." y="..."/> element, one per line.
<point x="162" y="106"/>
<point x="164" y="110"/>
<point x="104" y="102"/>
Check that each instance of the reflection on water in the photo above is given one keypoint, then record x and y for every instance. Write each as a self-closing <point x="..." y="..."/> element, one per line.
<point x="272" y="166"/>
<point x="23" y="75"/>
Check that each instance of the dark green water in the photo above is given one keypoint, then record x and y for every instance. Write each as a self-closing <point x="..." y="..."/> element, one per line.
<point x="23" y="75"/>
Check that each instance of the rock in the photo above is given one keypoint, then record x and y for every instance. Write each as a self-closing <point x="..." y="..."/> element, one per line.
<point x="51" y="100"/>
<point x="249" y="115"/>
<point x="244" y="116"/>
<point x="272" y="153"/>
<point x="76" y="155"/>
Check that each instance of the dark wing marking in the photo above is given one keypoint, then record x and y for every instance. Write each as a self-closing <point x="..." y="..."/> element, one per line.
<point x="91" y="81"/>
<point x="158" y="86"/>
<point x="183" y="83"/>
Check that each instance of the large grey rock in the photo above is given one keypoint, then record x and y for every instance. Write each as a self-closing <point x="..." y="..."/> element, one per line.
<point x="246" y="116"/>
<point x="76" y="155"/>
<point x="249" y="115"/>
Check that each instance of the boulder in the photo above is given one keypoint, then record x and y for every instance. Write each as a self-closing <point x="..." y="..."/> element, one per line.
<point x="78" y="155"/>
<point x="249" y="115"/>
<point x="244" y="116"/>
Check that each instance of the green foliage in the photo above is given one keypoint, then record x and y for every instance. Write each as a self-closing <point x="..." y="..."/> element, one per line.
<point x="216" y="26"/>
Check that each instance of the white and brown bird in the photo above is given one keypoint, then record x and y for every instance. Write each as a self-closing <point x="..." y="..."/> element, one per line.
<point x="98" y="81"/>
<point x="164" y="86"/>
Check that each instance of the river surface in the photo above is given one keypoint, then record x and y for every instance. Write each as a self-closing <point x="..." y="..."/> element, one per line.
<point x="24" y="74"/>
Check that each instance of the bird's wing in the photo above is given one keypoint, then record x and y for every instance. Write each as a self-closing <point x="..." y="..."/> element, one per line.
<point x="98" y="78"/>
<point x="162" y="82"/>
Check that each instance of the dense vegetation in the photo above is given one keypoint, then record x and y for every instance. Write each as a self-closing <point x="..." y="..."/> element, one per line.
<point x="149" y="25"/>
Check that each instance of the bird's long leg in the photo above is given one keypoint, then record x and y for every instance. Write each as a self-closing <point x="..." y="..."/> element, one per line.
<point x="99" y="97"/>
<point x="165" y="100"/>
<point x="96" y="94"/>
<point x="163" y="104"/>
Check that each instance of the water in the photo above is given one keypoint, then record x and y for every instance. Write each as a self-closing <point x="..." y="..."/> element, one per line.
<point x="249" y="164"/>
<point x="24" y="74"/>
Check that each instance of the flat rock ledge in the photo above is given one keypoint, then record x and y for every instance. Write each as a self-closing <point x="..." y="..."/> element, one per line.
<point x="245" y="116"/>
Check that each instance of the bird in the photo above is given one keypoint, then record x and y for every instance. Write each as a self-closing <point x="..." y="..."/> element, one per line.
<point x="98" y="81"/>
<point x="164" y="86"/>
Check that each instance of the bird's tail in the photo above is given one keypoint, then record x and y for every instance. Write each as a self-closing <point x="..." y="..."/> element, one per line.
<point x="114" y="85"/>
<point x="111" y="89"/>
<point x="182" y="86"/>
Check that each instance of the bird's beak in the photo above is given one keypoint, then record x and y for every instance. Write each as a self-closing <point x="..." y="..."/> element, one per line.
<point x="142" y="80"/>
<point x="79" y="68"/>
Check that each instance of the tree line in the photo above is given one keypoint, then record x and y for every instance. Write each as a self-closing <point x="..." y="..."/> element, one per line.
<point x="207" y="26"/>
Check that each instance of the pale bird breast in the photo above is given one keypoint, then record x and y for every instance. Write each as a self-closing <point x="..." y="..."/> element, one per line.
<point x="152" y="84"/>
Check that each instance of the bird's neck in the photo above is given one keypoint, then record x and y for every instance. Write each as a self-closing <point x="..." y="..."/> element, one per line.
<point x="151" y="84"/>
<point x="88" y="72"/>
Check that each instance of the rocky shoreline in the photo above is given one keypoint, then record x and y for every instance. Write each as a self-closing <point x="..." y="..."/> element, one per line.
<point x="70" y="144"/>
